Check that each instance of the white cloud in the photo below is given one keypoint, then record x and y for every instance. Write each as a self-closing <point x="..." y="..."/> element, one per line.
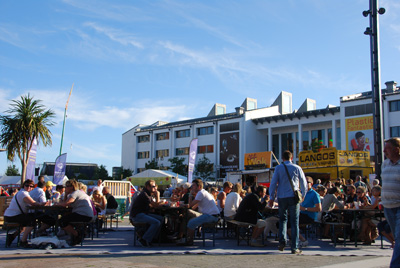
<point x="107" y="10"/>
<point x="115" y="35"/>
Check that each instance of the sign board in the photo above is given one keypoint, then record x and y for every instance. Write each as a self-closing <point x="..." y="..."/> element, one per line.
<point x="360" y="134"/>
<point x="333" y="157"/>
<point x="260" y="158"/>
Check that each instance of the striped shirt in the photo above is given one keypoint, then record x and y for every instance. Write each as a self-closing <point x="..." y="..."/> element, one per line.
<point x="390" y="184"/>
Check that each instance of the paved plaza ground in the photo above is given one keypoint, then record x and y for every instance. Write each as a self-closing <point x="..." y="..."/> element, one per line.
<point x="115" y="249"/>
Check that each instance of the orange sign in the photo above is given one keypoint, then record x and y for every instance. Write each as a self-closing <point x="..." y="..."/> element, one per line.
<point x="260" y="158"/>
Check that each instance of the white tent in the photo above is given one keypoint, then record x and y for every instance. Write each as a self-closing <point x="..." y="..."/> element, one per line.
<point x="163" y="178"/>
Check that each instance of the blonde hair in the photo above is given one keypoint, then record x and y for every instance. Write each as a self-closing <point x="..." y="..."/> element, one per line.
<point x="72" y="183"/>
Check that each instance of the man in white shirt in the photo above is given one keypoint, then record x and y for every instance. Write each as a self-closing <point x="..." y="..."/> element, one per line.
<point x="38" y="193"/>
<point x="206" y="206"/>
<point x="99" y="186"/>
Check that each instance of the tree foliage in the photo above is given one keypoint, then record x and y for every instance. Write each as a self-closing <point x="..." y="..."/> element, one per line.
<point x="28" y="119"/>
<point x="126" y="172"/>
<point x="204" y="169"/>
<point x="12" y="171"/>
<point x="178" y="166"/>
<point x="101" y="173"/>
<point x="153" y="164"/>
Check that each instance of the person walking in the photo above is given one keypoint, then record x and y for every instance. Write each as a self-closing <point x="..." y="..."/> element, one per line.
<point x="281" y="187"/>
<point x="391" y="193"/>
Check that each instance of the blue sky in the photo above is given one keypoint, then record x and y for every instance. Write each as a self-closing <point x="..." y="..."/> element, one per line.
<point x="141" y="61"/>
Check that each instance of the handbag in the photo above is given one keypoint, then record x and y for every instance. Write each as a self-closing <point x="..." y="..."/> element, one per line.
<point x="297" y="194"/>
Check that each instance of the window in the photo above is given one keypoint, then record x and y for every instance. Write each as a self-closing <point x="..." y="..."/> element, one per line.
<point x="162" y="153"/>
<point x="205" y="149"/>
<point x="318" y="139"/>
<point x="143" y="155"/>
<point x="330" y="138"/>
<point x="338" y="138"/>
<point x="229" y="127"/>
<point x="182" y="151"/>
<point x="275" y="145"/>
<point x="358" y="110"/>
<point x="306" y="142"/>
<point x="162" y="136"/>
<point x="394" y="106"/>
<point x="183" y="133"/>
<point x="287" y="142"/>
<point x="205" y="131"/>
<point x="144" y="138"/>
<point x="394" y="131"/>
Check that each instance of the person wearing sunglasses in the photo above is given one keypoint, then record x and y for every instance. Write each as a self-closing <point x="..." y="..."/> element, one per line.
<point x="362" y="197"/>
<point x="18" y="212"/>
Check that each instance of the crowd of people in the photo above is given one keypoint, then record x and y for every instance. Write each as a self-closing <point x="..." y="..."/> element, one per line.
<point x="298" y="199"/>
<point x="72" y="195"/>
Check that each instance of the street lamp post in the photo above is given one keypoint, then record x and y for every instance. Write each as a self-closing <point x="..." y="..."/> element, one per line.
<point x="373" y="32"/>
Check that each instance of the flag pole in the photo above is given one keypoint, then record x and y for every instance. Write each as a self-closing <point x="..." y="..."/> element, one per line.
<point x="65" y="115"/>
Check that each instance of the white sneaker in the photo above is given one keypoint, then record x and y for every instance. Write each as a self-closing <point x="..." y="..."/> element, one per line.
<point x="303" y="244"/>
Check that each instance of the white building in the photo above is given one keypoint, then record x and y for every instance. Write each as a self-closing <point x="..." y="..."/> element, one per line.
<point x="225" y="137"/>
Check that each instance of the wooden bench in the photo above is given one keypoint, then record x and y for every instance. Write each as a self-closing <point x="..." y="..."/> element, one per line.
<point x="8" y="226"/>
<point x="110" y="218"/>
<point x="82" y="227"/>
<point x="338" y="224"/>
<point x="244" y="230"/>
<point x="206" y="228"/>
<point x="136" y="225"/>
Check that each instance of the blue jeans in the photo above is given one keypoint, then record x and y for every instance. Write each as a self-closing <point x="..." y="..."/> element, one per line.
<point x="204" y="218"/>
<point x="393" y="217"/>
<point x="289" y="205"/>
<point x="155" y="225"/>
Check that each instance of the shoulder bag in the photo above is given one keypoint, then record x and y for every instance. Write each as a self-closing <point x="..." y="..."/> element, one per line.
<point x="297" y="194"/>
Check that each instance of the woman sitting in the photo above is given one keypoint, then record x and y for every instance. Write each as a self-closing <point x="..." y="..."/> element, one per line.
<point x="232" y="202"/>
<point x="99" y="202"/>
<point x="82" y="210"/>
<point x="18" y="212"/>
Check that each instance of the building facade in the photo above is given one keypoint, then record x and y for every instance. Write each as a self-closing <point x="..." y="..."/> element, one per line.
<point x="224" y="138"/>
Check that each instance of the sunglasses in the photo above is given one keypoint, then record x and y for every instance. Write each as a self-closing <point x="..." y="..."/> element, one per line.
<point x="359" y="192"/>
<point x="30" y="186"/>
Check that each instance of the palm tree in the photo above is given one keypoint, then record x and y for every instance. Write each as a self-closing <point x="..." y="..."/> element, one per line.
<point x="28" y="120"/>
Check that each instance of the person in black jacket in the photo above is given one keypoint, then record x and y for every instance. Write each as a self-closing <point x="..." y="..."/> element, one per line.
<point x="140" y="212"/>
<point x="248" y="211"/>
<point x="112" y="204"/>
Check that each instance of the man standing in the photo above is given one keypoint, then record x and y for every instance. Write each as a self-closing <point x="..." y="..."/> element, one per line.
<point x="391" y="193"/>
<point x="359" y="182"/>
<point x="206" y="206"/>
<point x="99" y="186"/>
<point x="286" y="200"/>
<point x="140" y="212"/>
